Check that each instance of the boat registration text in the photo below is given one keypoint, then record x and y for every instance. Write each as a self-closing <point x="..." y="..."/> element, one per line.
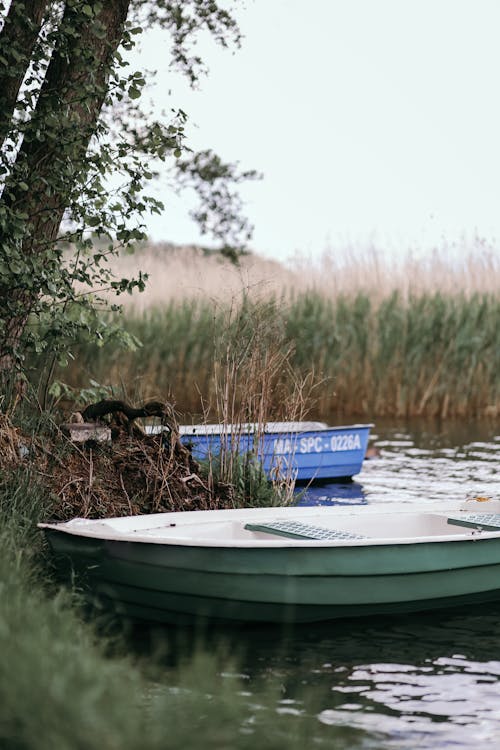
<point x="317" y="444"/>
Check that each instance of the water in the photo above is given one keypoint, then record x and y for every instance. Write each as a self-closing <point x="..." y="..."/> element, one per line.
<point x="416" y="681"/>
<point x="421" y="463"/>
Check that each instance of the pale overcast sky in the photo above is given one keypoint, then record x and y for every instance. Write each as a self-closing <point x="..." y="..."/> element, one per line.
<point x="368" y="119"/>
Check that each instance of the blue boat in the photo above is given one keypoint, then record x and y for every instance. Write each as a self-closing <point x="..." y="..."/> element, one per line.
<point x="304" y="451"/>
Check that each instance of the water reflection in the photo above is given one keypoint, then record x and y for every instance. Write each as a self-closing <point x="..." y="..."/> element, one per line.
<point x="419" y="681"/>
<point x="413" y="681"/>
<point x="341" y="493"/>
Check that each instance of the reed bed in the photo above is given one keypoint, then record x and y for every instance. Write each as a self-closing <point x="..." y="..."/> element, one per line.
<point x="431" y="354"/>
<point x="177" y="274"/>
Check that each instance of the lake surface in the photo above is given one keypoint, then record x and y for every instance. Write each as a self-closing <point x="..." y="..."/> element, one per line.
<point x="421" y="463"/>
<point x="416" y="681"/>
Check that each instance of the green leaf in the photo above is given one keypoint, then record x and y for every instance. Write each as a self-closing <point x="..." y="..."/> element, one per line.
<point x="15" y="267"/>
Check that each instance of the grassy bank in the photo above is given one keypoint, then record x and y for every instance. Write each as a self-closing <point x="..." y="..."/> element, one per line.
<point x="59" y="688"/>
<point x="432" y="354"/>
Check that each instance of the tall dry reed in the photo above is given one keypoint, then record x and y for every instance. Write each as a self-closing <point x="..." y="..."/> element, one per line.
<point x="178" y="274"/>
<point x="431" y="354"/>
<point x="254" y="382"/>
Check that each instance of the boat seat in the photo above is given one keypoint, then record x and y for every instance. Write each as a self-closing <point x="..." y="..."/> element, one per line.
<point x="486" y="521"/>
<point x="298" y="530"/>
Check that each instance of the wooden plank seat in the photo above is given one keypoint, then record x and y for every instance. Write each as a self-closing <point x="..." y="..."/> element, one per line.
<point x="298" y="530"/>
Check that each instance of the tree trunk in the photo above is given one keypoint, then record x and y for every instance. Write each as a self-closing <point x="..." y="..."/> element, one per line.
<point x="17" y="41"/>
<point x="52" y="156"/>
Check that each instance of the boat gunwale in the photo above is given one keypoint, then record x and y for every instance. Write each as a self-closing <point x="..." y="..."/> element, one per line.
<point x="252" y="428"/>
<point x="277" y="542"/>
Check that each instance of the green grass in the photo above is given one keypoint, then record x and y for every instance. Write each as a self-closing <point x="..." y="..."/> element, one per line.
<point x="245" y="475"/>
<point x="430" y="355"/>
<point x="60" y="688"/>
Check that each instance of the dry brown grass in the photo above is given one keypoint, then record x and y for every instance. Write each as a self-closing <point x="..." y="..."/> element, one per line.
<point x="9" y="443"/>
<point x="447" y="270"/>
<point x="134" y="474"/>
<point x="407" y="337"/>
<point x="180" y="273"/>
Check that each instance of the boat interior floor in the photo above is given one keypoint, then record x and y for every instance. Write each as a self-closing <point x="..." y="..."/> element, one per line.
<point x="347" y="528"/>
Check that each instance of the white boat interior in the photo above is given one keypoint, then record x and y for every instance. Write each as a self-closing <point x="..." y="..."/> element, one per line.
<point x="299" y="527"/>
<point x="251" y="428"/>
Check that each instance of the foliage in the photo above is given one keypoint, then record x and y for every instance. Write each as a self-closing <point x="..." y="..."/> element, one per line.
<point x="220" y="212"/>
<point x="80" y="397"/>
<point x="248" y="482"/>
<point x="76" y="155"/>
<point x="430" y="355"/>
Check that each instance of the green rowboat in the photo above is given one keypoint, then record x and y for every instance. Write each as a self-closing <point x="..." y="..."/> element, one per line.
<point x="286" y="564"/>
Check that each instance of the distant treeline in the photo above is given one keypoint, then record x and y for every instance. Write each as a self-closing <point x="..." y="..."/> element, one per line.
<point x="428" y="355"/>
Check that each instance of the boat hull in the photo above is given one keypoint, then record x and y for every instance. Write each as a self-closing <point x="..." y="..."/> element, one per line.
<point x="311" y="455"/>
<point x="179" y="584"/>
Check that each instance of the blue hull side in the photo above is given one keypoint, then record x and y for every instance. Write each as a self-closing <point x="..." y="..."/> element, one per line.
<point x="333" y="453"/>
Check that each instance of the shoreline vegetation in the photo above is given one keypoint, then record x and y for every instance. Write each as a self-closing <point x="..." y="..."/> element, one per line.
<point x="372" y="338"/>
<point x="69" y="683"/>
<point x="244" y="352"/>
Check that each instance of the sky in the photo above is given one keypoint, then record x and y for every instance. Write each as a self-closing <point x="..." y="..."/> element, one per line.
<point x="372" y="121"/>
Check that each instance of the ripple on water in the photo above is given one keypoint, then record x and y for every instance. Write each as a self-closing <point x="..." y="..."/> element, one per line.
<point x="424" y="465"/>
<point x="412" y="682"/>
